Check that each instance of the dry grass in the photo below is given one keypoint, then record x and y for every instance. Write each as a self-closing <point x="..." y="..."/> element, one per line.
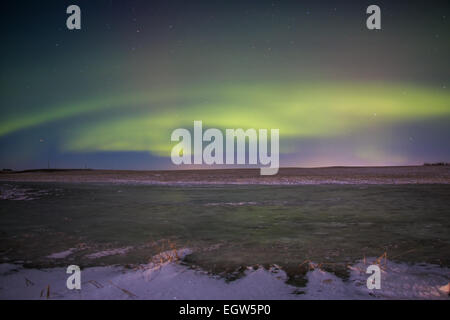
<point x="95" y="284"/>
<point x="46" y="292"/>
<point x="130" y="294"/>
<point x="381" y="261"/>
<point x="28" y="282"/>
<point x="167" y="253"/>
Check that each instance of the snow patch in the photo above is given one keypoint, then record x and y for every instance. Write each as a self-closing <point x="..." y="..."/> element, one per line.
<point x="110" y="252"/>
<point x="62" y="254"/>
<point x="171" y="280"/>
<point x="17" y="193"/>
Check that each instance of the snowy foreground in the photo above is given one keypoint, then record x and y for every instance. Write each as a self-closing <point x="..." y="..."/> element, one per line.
<point x="171" y="280"/>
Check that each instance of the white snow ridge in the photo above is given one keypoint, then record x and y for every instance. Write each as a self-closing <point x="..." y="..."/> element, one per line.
<point x="165" y="278"/>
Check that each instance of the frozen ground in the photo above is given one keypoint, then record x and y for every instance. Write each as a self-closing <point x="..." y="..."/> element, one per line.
<point x="12" y="192"/>
<point x="171" y="280"/>
<point x="285" y="176"/>
<point x="45" y="227"/>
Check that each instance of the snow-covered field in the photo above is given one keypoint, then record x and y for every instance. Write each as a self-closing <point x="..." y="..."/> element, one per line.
<point x="172" y="280"/>
<point x="285" y="176"/>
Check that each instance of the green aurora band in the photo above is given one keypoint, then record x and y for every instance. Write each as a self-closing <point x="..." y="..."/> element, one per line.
<point x="144" y="121"/>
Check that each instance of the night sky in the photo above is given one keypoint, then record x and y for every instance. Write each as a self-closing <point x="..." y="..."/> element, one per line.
<point x="109" y="95"/>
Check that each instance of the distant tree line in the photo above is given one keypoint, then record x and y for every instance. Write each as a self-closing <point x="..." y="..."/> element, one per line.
<point x="437" y="164"/>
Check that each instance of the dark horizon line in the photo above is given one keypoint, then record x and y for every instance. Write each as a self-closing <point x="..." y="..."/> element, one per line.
<point x="215" y="169"/>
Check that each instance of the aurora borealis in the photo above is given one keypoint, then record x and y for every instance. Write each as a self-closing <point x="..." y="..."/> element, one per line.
<point x="109" y="95"/>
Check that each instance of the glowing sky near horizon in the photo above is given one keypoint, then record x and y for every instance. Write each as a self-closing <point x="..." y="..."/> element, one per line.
<point x="110" y="95"/>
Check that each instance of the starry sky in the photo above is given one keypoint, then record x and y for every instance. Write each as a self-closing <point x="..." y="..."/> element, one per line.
<point x="109" y="95"/>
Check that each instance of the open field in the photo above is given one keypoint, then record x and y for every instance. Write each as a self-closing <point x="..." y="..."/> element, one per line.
<point x="286" y="176"/>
